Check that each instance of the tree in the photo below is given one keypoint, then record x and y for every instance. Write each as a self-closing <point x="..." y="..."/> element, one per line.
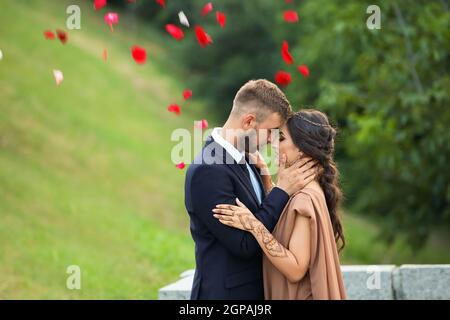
<point x="388" y="91"/>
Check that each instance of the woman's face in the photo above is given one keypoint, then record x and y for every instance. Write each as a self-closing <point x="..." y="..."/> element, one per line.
<point x="288" y="147"/>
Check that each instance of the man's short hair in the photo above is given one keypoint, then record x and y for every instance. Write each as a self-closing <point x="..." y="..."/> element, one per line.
<point x="263" y="98"/>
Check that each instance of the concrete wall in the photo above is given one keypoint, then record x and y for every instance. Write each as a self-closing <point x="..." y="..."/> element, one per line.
<point x="371" y="282"/>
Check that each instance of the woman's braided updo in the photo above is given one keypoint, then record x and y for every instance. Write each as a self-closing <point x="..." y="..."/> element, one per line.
<point x="313" y="135"/>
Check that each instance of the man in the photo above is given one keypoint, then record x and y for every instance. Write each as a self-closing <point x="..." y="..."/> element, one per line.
<point x="228" y="260"/>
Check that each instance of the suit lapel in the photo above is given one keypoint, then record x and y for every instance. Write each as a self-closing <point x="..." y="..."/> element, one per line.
<point x="243" y="177"/>
<point x="238" y="169"/>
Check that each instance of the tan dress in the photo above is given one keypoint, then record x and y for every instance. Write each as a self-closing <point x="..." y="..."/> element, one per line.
<point x="323" y="280"/>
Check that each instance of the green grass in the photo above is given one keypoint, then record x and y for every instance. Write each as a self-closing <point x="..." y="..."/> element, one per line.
<point x="365" y="246"/>
<point x="85" y="171"/>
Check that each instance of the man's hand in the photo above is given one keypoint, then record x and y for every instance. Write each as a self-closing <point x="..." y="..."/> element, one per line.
<point x="297" y="176"/>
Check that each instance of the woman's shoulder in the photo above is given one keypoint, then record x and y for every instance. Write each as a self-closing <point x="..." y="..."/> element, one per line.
<point x="303" y="201"/>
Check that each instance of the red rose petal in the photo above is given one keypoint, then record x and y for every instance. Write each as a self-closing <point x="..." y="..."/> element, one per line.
<point x="283" y="78"/>
<point x="187" y="94"/>
<point x="139" y="54"/>
<point x="207" y="8"/>
<point x="162" y="3"/>
<point x="203" y="38"/>
<point x="98" y="4"/>
<point x="62" y="36"/>
<point x="49" y="35"/>
<point x="287" y="57"/>
<point x="202" y="124"/>
<point x="174" y="108"/>
<point x="174" y="31"/>
<point x="290" y="16"/>
<point x="111" y="18"/>
<point x="303" y="68"/>
<point x="221" y="18"/>
<point x="181" y="165"/>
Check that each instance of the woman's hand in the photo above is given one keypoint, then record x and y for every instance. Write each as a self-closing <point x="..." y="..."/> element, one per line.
<point x="259" y="162"/>
<point x="238" y="217"/>
<point x="257" y="159"/>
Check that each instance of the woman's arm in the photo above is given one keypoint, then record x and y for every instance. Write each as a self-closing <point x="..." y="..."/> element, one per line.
<point x="267" y="182"/>
<point x="257" y="159"/>
<point x="292" y="262"/>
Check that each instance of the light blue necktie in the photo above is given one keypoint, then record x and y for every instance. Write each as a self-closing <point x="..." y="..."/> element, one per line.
<point x="255" y="183"/>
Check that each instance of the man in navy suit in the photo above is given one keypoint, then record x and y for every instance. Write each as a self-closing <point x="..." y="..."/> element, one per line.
<point x="228" y="260"/>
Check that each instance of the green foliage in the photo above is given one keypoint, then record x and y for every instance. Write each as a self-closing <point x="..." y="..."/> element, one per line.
<point x="388" y="92"/>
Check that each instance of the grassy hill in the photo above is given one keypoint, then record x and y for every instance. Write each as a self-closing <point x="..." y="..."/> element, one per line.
<point x="85" y="171"/>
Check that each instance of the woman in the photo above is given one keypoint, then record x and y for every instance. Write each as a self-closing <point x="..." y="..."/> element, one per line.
<point x="301" y="255"/>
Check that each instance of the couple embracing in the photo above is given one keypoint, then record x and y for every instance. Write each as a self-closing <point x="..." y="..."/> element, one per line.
<point x="261" y="239"/>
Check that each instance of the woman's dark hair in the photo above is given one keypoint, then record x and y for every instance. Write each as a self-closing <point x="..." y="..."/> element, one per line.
<point x="313" y="135"/>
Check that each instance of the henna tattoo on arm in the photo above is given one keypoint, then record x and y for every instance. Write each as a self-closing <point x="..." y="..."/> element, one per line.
<point x="248" y="222"/>
<point x="274" y="248"/>
<point x="260" y="232"/>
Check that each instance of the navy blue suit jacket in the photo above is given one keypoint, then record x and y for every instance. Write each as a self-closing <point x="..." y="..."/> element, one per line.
<point x="228" y="260"/>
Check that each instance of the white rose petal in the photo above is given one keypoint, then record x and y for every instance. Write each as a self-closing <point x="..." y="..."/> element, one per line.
<point x="183" y="19"/>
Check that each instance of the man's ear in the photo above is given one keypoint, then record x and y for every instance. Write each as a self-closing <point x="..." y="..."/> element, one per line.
<point x="248" y="121"/>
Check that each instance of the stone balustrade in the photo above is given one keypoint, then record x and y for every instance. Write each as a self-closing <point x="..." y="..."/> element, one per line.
<point x="363" y="282"/>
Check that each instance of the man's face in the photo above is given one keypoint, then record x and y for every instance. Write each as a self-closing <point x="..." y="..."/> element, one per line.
<point x="260" y="134"/>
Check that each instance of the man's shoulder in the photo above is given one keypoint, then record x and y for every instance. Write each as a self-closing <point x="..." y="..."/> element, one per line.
<point x="196" y="169"/>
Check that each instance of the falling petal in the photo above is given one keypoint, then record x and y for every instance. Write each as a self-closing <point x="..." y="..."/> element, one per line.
<point x="203" y="38"/>
<point x="62" y="36"/>
<point x="221" y="18"/>
<point x="111" y="18"/>
<point x="1" y="55"/>
<point x="283" y="78"/>
<point x="176" y="32"/>
<point x="59" y="77"/>
<point x="105" y="55"/>
<point x="162" y="3"/>
<point x="288" y="1"/>
<point x="207" y="8"/>
<point x="49" y="35"/>
<point x="287" y="57"/>
<point x="202" y="124"/>
<point x="183" y="19"/>
<point x="181" y="165"/>
<point x="304" y="70"/>
<point x="290" y="16"/>
<point x="139" y="54"/>
<point x="98" y="4"/>
<point x="187" y="94"/>
<point x="174" y="108"/>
